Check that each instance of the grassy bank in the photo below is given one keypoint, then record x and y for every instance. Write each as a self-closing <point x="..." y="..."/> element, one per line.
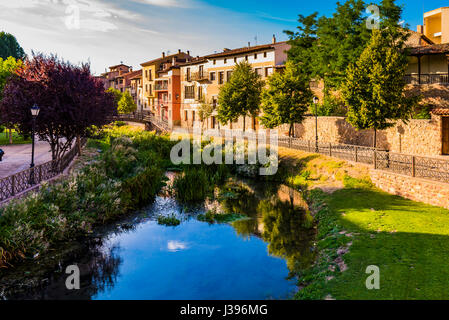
<point x="16" y="138"/>
<point x="127" y="174"/>
<point x="359" y="225"/>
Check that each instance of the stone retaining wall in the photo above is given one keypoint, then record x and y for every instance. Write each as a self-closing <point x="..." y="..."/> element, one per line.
<point x="419" y="137"/>
<point x="430" y="192"/>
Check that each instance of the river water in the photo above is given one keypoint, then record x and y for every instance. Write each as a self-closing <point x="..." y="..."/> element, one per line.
<point x="253" y="258"/>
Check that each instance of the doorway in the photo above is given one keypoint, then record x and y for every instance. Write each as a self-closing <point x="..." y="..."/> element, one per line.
<point x="445" y="132"/>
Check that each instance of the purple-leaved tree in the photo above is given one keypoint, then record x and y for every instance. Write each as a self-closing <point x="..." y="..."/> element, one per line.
<point x="70" y="99"/>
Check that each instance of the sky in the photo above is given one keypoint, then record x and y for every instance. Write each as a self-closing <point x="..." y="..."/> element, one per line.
<point x="107" y="32"/>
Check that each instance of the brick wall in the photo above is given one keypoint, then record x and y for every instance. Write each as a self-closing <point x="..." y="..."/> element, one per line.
<point x="430" y="192"/>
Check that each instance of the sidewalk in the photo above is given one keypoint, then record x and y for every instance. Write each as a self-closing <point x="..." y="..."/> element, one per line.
<point x="18" y="157"/>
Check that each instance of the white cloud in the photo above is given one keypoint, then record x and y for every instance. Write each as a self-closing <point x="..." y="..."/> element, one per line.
<point x="175" y="246"/>
<point x="164" y="3"/>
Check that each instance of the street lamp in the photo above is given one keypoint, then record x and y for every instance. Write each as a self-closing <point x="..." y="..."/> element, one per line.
<point x="315" y="102"/>
<point x="34" y="113"/>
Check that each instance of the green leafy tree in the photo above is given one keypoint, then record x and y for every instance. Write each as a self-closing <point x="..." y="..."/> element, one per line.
<point x="9" y="47"/>
<point x="241" y="95"/>
<point x="205" y="111"/>
<point x="374" y="87"/>
<point x="287" y="98"/>
<point x="116" y="93"/>
<point x="326" y="46"/>
<point x="7" y="68"/>
<point x="126" y="104"/>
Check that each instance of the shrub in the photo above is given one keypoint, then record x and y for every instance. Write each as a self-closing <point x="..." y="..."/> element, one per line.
<point x="192" y="185"/>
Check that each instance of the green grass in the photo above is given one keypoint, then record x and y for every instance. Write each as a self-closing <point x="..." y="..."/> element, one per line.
<point x="17" y="138"/>
<point x="407" y="240"/>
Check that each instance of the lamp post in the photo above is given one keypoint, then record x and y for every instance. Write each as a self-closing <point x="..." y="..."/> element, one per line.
<point x="34" y="113"/>
<point x="315" y="102"/>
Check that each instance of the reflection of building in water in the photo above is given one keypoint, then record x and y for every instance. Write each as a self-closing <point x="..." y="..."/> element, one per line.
<point x="291" y="195"/>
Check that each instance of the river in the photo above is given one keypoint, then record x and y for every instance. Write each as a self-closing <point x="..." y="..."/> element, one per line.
<point x="253" y="258"/>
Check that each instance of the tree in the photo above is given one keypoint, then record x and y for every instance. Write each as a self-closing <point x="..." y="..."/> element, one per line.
<point x="240" y="96"/>
<point x="205" y="111"/>
<point x="374" y="87"/>
<point x="8" y="67"/>
<point x="117" y="95"/>
<point x="326" y="46"/>
<point x="70" y="98"/>
<point x="9" y="47"/>
<point x="287" y="98"/>
<point x="126" y="104"/>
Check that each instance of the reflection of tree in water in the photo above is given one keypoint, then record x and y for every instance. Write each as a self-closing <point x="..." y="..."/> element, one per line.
<point x="278" y="215"/>
<point x="287" y="229"/>
<point x="98" y="264"/>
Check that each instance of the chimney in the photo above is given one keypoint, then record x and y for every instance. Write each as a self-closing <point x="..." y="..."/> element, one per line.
<point x="173" y="61"/>
<point x="179" y="50"/>
<point x="249" y="44"/>
<point x="274" y="39"/>
<point x="420" y="29"/>
<point x="163" y="54"/>
<point x="188" y="52"/>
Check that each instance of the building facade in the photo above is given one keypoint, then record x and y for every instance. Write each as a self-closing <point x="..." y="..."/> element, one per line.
<point x="203" y="77"/>
<point x="151" y="71"/>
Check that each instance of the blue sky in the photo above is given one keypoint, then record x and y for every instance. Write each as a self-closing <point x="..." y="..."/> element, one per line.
<point x="106" y="32"/>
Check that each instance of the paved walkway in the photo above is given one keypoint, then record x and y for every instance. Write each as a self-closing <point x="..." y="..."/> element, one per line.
<point x="18" y="157"/>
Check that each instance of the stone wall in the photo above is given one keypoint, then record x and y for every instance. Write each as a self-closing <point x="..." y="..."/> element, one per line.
<point x="420" y="137"/>
<point x="430" y="192"/>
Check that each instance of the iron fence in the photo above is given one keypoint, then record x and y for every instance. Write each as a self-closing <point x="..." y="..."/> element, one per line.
<point x="26" y="179"/>
<point x="411" y="165"/>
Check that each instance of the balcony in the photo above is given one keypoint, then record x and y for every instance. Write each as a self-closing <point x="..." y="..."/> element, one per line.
<point x="436" y="78"/>
<point x="161" y="86"/>
<point x="197" y="76"/>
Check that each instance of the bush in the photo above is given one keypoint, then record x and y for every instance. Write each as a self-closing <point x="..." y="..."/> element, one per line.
<point x="118" y="181"/>
<point x="192" y="185"/>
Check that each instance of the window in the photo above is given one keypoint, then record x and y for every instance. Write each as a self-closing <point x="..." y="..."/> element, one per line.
<point x="255" y="56"/>
<point x="193" y="115"/>
<point x="200" y="93"/>
<point x="221" y="77"/>
<point x="188" y="74"/>
<point x="246" y="58"/>
<point x="225" y="60"/>
<point x="151" y="90"/>
<point x="235" y="60"/>
<point x="185" y="115"/>
<point x="212" y="76"/>
<point x="189" y="92"/>
<point x="215" y="61"/>
<point x="268" y="71"/>
<point x="265" y="54"/>
<point x="151" y="76"/>
<point x="259" y="72"/>
<point x="201" y="70"/>
<point x="214" y="101"/>
<point x="146" y="74"/>
<point x="228" y="75"/>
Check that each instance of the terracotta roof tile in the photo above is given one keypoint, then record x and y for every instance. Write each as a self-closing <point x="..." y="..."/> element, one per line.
<point x="243" y="50"/>
<point x="441" y="111"/>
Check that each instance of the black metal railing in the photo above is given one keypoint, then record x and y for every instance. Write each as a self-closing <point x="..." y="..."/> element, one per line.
<point x="437" y="78"/>
<point x="21" y="181"/>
